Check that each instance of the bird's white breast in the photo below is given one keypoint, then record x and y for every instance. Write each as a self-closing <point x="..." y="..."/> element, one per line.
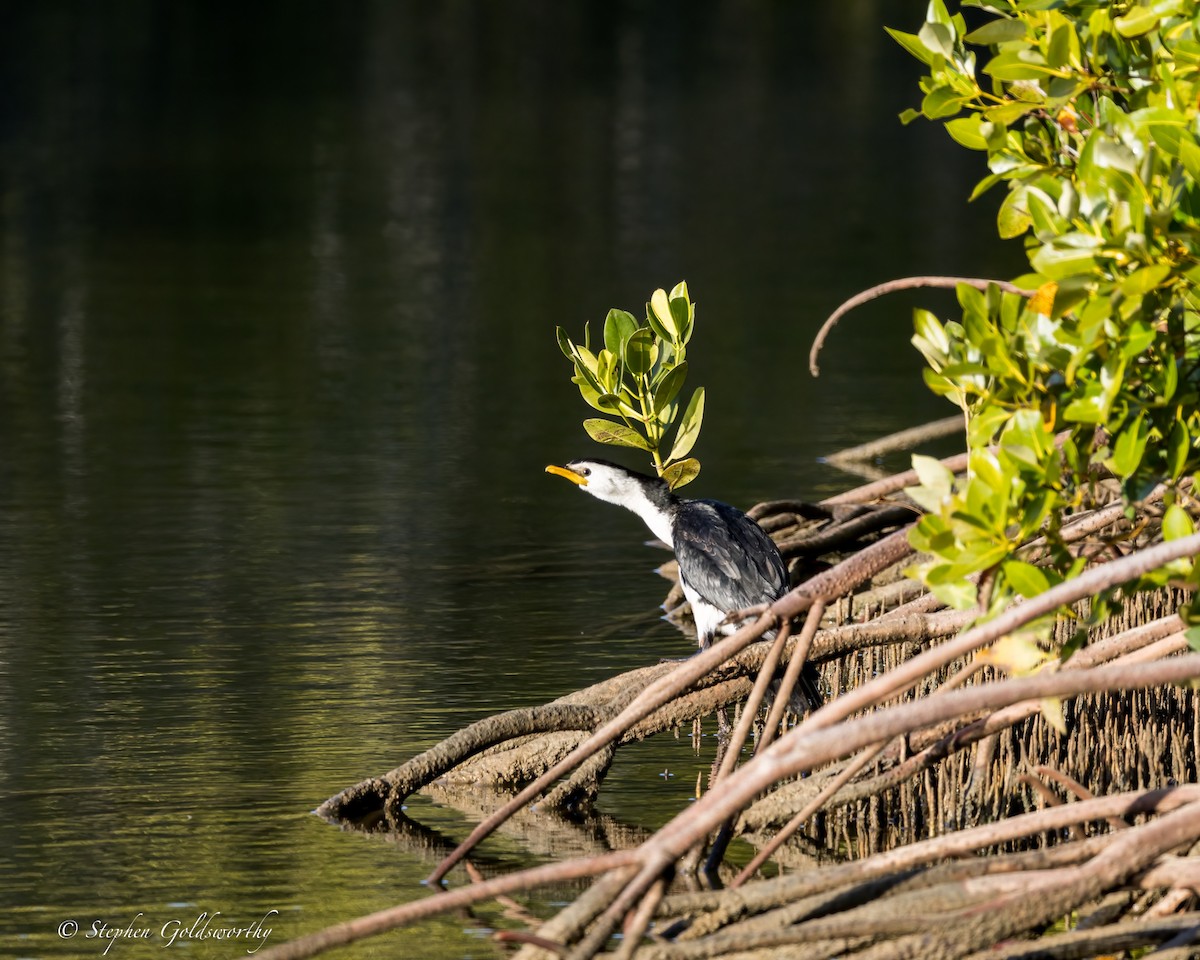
<point x="707" y="617"/>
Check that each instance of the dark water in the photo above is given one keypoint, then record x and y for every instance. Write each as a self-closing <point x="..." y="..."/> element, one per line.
<point x="278" y="287"/>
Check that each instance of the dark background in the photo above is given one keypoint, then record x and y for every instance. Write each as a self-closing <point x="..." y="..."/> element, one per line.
<point x="278" y="379"/>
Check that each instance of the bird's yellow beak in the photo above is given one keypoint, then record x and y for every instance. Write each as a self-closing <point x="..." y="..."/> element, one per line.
<point x="569" y="474"/>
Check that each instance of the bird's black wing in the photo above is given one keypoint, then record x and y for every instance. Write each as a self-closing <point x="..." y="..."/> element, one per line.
<point x="726" y="557"/>
<point x="729" y="560"/>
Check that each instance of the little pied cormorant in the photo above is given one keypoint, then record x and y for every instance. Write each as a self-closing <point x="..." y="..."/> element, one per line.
<point x="726" y="560"/>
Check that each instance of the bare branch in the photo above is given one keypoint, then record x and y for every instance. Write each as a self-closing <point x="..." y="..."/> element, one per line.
<point x="892" y="286"/>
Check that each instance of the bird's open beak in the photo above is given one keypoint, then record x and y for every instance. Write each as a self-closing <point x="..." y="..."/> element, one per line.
<point x="569" y="474"/>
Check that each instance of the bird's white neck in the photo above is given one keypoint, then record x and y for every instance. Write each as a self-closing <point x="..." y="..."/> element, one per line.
<point x="657" y="519"/>
<point x="628" y="492"/>
<point x="649" y="497"/>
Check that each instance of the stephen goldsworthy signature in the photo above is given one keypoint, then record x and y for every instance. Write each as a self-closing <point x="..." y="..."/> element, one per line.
<point x="202" y="926"/>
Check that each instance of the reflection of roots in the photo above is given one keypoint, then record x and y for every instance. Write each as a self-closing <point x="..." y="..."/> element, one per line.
<point x="926" y="758"/>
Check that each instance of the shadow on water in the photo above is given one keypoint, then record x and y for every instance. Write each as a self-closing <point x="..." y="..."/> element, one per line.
<point x="278" y="379"/>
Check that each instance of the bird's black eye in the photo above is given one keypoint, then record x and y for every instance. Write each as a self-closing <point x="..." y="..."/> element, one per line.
<point x="585" y="472"/>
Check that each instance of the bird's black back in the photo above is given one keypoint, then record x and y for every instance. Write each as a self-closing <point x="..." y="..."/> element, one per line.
<point x="731" y="562"/>
<point x="726" y="557"/>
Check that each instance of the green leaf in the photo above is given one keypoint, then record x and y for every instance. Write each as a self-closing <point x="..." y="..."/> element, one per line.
<point x="930" y="330"/>
<point x="1193" y="637"/>
<point x="564" y="343"/>
<point x="586" y="359"/>
<point x="619" y="326"/>
<point x="680" y="291"/>
<point x="925" y="499"/>
<point x="1114" y="155"/>
<point x="612" y="403"/>
<point x="968" y="131"/>
<point x="592" y="396"/>
<point x="656" y="325"/>
<point x="998" y="31"/>
<point x="606" y="431"/>
<point x="1027" y="64"/>
<point x="912" y="43"/>
<point x="660" y="306"/>
<point x="1189" y="154"/>
<point x="1142" y="281"/>
<point x="689" y="426"/>
<point x="933" y="474"/>
<point x="937" y="38"/>
<point x="667" y="388"/>
<point x="1165" y="126"/>
<point x="1176" y="523"/>
<point x="680" y="316"/>
<point x="1129" y="448"/>
<point x="1025" y="578"/>
<point x="1178" y="448"/>
<point x="942" y="101"/>
<point x="937" y="13"/>
<point x="931" y="534"/>
<point x="606" y="370"/>
<point x="681" y="473"/>
<point x="984" y="185"/>
<point x="586" y="369"/>
<point x="1010" y="112"/>
<point x="981" y="556"/>
<point x="1089" y="408"/>
<point x="1063" y="50"/>
<point x="958" y="596"/>
<point x="1013" y="218"/>
<point x="1043" y="213"/>
<point x="1060" y="262"/>
<point x="640" y="352"/>
<point x="1140" y="20"/>
<point x="985" y="468"/>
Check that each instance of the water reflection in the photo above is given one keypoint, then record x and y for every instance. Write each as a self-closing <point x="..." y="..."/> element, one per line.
<point x="277" y="382"/>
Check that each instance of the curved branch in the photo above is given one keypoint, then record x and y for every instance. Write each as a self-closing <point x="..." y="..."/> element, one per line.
<point x="891" y="286"/>
<point x="466" y="743"/>
<point x="839" y="535"/>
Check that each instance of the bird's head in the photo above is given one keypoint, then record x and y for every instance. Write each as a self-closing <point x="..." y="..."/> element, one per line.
<point x="610" y="481"/>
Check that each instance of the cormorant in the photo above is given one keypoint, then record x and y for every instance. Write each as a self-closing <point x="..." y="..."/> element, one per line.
<point x="726" y="560"/>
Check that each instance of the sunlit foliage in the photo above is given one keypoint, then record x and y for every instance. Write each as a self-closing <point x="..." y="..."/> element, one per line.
<point x="1087" y="113"/>
<point x="637" y="378"/>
